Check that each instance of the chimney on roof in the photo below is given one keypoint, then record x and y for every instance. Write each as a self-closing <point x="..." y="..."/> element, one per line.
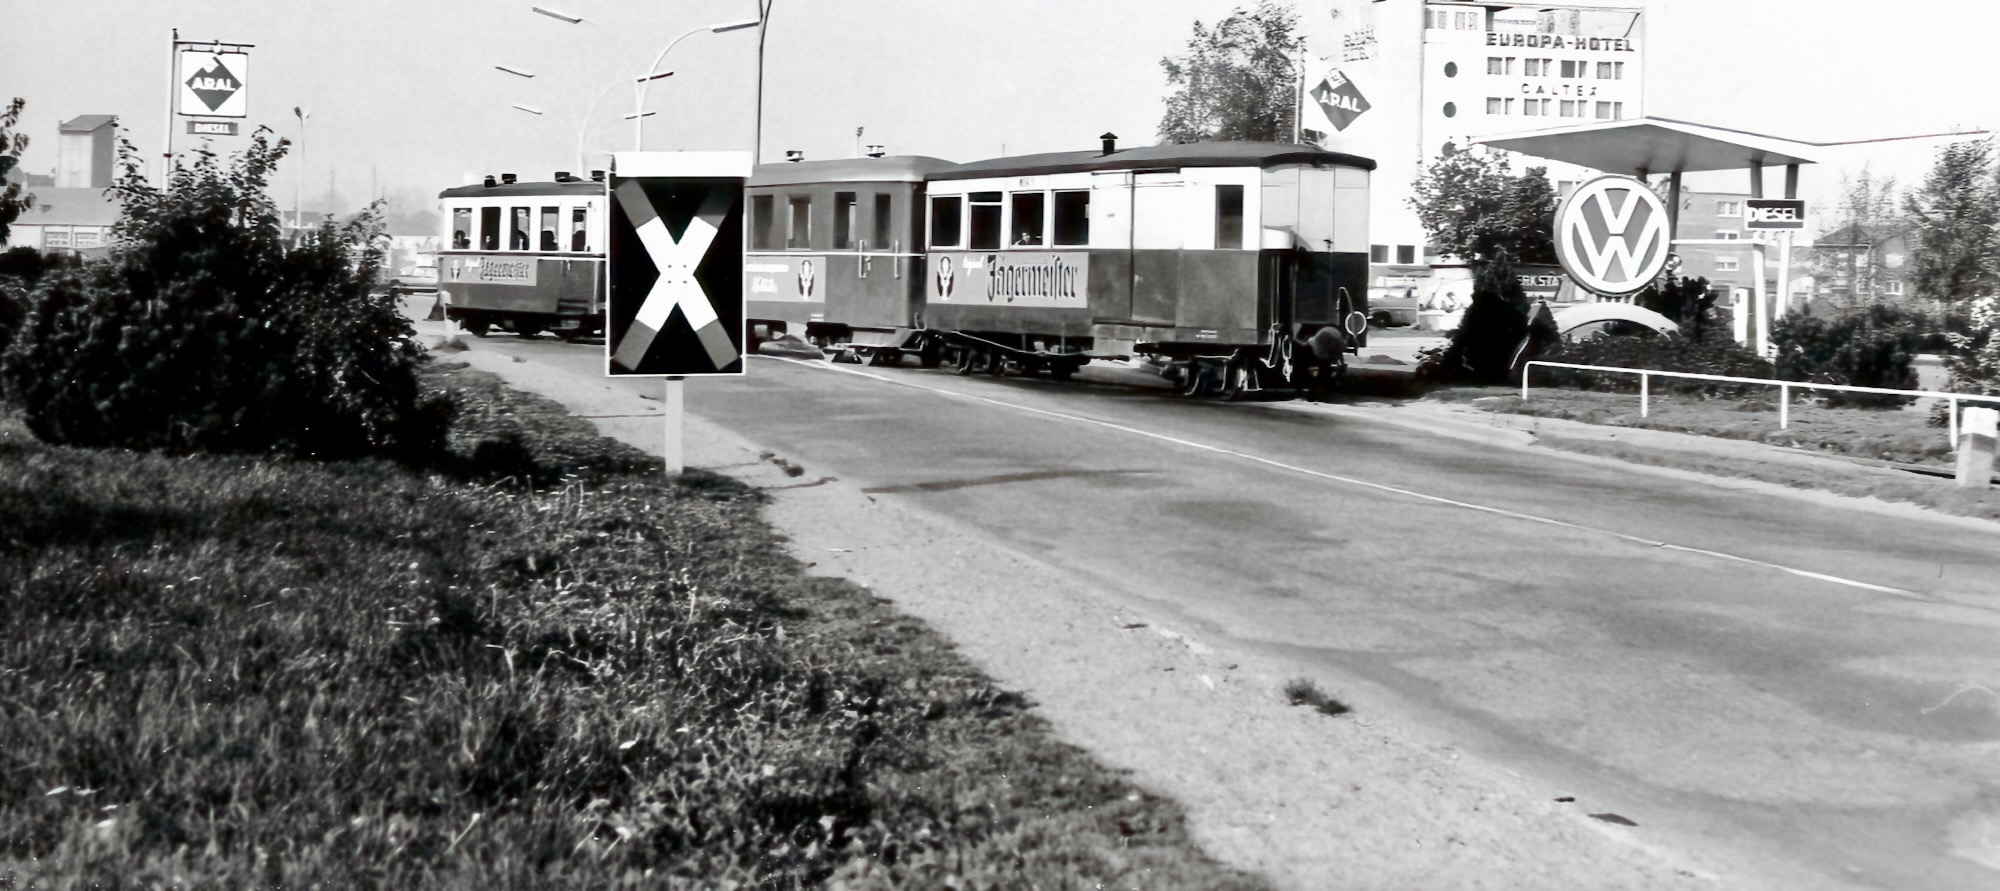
<point x="875" y="151"/>
<point x="489" y="181"/>
<point x="1110" y="142"/>
<point x="597" y="176"/>
<point x="795" y="156"/>
<point x="562" y="176"/>
<point x="506" y="179"/>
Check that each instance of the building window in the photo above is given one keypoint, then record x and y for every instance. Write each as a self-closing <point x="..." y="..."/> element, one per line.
<point x="1617" y="111"/>
<point x="1604" y="111"/>
<point x="1492" y="105"/>
<point x="1727" y="234"/>
<point x="1510" y="106"/>
<point x="1073" y="218"/>
<point x="1028" y="207"/>
<point x="1510" y="66"/>
<point x="1569" y="68"/>
<point x="1618" y="71"/>
<point x="1893" y="286"/>
<point x="1728" y="208"/>
<point x="1568" y="108"/>
<point x="844" y="210"/>
<point x="885" y="223"/>
<point x="945" y="220"/>
<point x="1451" y="69"/>
<point x="801" y="230"/>
<point x="1494" y="65"/>
<point x="985" y="225"/>
<point x="1531" y="68"/>
<point x="1451" y="109"/>
<point x="1726" y="264"/>
<point x="1406" y="254"/>
<point x="1535" y="107"/>
<point x="1378" y="253"/>
<point x="1604" y="71"/>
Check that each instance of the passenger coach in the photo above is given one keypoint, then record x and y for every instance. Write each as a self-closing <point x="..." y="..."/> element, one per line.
<point x="525" y="257"/>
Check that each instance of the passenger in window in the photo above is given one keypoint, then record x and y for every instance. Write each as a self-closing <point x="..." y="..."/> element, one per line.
<point x="520" y="242"/>
<point x="576" y="240"/>
<point x="549" y="240"/>
<point x="1027" y="239"/>
<point x="459" y="241"/>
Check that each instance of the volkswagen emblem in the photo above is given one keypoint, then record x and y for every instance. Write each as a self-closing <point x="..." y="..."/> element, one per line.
<point x="1612" y="235"/>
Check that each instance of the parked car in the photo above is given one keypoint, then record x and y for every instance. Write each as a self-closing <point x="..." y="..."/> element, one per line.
<point x="1392" y="307"/>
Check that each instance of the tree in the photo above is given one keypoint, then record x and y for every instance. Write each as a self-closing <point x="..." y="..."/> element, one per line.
<point x="1475" y="209"/>
<point x="12" y="199"/>
<point x="1954" y="218"/>
<point x="1238" y="80"/>
<point x="1867" y="211"/>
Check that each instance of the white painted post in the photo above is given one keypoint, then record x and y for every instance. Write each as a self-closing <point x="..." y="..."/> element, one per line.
<point x="1739" y="300"/>
<point x="1975" y="447"/>
<point x="1763" y="300"/>
<point x="1642" y="393"/>
<point x="672" y="451"/>
<point x="1784" y="406"/>
<point x="1784" y="272"/>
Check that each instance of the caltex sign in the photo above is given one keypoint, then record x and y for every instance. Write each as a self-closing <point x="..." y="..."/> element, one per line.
<point x="675" y="262"/>
<point x="1612" y="235"/>
<point x="214" y="84"/>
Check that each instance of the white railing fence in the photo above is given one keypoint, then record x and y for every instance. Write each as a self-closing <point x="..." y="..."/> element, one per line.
<point x="1784" y="389"/>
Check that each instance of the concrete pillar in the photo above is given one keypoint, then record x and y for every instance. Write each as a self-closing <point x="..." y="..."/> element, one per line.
<point x="1976" y="435"/>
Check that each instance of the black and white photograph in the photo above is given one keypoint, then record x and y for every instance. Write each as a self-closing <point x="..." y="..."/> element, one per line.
<point x="1165" y="445"/>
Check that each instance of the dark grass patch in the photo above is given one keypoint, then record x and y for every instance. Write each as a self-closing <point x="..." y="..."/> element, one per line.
<point x="238" y="673"/>
<point x="1301" y="691"/>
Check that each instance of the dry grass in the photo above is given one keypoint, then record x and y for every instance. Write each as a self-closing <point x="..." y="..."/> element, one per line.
<point x="243" y="673"/>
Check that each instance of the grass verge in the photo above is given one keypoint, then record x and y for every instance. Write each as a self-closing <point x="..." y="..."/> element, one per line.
<point x="224" y="672"/>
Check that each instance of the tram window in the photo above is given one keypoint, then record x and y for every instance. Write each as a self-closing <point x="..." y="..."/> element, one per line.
<point x="843" y="220"/>
<point x="518" y="240"/>
<point x="801" y="229"/>
<point x="763" y="222"/>
<point x="945" y="220"/>
<point x="461" y="228"/>
<point x="579" y="229"/>
<point x="489" y="228"/>
<point x="885" y="223"/>
<point x="551" y="218"/>
<point x="1028" y="218"/>
<point x="1228" y="217"/>
<point x="985" y="234"/>
<point x="1072" y="224"/>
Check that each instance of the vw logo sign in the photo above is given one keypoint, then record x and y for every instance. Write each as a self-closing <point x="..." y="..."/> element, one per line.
<point x="1611" y="235"/>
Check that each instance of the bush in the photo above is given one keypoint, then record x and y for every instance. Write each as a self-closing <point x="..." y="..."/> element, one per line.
<point x="1874" y="348"/>
<point x="1711" y="355"/>
<point x="205" y="332"/>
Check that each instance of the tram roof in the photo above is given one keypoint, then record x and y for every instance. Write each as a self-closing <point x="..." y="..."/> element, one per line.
<point x="1192" y="154"/>
<point x="890" y="169"/>
<point x="512" y="190"/>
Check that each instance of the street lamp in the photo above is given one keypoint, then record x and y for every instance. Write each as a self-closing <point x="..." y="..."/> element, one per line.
<point x="298" y="184"/>
<point x="572" y="19"/>
<point x="514" y="71"/>
<point x="639" y="117"/>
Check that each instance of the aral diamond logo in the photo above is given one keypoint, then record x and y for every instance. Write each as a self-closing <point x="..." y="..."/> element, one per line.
<point x="1339" y="99"/>
<point x="214" y="84"/>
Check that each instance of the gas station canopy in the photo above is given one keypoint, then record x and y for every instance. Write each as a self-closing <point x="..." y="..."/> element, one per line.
<point x="1649" y="145"/>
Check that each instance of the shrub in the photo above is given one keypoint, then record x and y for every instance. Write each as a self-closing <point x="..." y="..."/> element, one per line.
<point x="205" y="332"/>
<point x="1874" y="348"/>
<point x="1710" y="355"/>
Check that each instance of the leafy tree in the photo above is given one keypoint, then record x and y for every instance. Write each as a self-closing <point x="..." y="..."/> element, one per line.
<point x="1867" y="211"/>
<point x="1238" y="80"/>
<point x="1954" y="218"/>
<point x="206" y="332"/>
<point x="1474" y="208"/>
<point x="12" y="198"/>
<point x="1871" y="348"/>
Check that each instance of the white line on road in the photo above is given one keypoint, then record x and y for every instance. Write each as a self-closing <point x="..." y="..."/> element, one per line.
<point x="1380" y="487"/>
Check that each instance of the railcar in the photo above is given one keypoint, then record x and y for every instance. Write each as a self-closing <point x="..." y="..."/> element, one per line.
<point x="525" y="257"/>
<point x="834" y="253"/>
<point x="1235" y="266"/>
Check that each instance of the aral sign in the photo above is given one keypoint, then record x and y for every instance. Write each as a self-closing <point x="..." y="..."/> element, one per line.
<point x="1612" y="235"/>
<point x="214" y="84"/>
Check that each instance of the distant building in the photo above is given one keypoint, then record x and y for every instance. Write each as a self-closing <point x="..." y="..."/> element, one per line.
<point x="87" y="152"/>
<point x="66" y="219"/>
<point x="1855" y="266"/>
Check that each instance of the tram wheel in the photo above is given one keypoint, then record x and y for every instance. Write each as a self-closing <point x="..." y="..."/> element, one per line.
<point x="996" y="364"/>
<point x="962" y="360"/>
<point x="527" y="328"/>
<point x="932" y="355"/>
<point x="1061" y="371"/>
<point x="477" y="326"/>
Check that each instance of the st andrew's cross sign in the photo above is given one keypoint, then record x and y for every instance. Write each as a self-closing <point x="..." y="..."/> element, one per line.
<point x="674" y="306"/>
<point x="1612" y="235"/>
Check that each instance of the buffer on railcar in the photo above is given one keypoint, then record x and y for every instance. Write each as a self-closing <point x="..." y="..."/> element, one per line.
<point x="525" y="257"/>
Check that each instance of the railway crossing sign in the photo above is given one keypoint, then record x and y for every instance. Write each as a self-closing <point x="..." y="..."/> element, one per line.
<point x="1612" y="235"/>
<point x="214" y="83"/>
<point x="674" y="305"/>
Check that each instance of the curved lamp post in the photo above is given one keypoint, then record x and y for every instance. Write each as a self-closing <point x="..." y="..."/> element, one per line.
<point x="639" y="108"/>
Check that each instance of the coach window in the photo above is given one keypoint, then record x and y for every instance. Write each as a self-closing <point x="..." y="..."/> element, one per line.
<point x="579" y="228"/>
<point x="985" y="222"/>
<point x="551" y="223"/>
<point x="763" y="223"/>
<point x="461" y="228"/>
<point x="1028" y="218"/>
<point x="489" y="228"/>
<point x="517" y="238"/>
<point x="1228" y="217"/>
<point x="801" y="228"/>
<point x="844" y="208"/>
<point x="885" y="223"/>
<point x="1072" y="223"/>
<point x="1406" y="254"/>
<point x="1378" y="253"/>
<point x="945" y="220"/>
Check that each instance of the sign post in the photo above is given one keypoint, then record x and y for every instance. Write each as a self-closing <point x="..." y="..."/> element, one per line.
<point x="674" y="301"/>
<point x="1786" y="215"/>
<point x="206" y="79"/>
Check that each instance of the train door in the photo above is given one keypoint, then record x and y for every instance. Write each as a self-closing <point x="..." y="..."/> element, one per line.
<point x="1157" y="238"/>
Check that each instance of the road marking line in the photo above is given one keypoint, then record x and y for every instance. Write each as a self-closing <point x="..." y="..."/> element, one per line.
<point x="1381" y="487"/>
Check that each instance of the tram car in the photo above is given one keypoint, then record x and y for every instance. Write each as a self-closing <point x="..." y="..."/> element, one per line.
<point x="834" y="252"/>
<point x="525" y="257"/>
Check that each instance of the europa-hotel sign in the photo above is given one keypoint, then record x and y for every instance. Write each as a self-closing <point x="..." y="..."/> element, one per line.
<point x="1557" y="41"/>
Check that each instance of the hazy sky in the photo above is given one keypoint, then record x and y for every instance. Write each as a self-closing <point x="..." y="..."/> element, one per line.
<point x="404" y="97"/>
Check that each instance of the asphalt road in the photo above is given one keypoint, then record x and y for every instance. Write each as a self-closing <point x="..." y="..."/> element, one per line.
<point x="1810" y="684"/>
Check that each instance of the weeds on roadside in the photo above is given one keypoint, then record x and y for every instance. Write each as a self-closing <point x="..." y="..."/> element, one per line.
<point x="1302" y="691"/>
